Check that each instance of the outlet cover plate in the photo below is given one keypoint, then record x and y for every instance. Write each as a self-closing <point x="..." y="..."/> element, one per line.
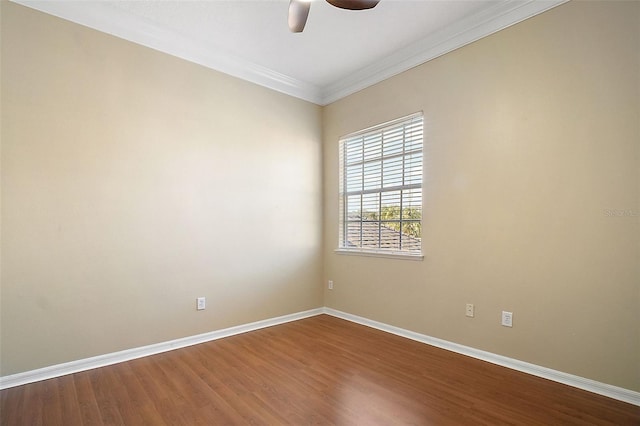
<point x="507" y="319"/>
<point x="470" y="310"/>
<point x="201" y="303"/>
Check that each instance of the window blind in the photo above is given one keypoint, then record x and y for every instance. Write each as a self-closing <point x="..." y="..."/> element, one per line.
<point x="381" y="187"/>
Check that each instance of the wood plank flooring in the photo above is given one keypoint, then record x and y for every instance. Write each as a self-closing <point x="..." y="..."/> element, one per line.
<point x="320" y="370"/>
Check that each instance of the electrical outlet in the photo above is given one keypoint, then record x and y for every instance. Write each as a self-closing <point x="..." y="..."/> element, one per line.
<point x="470" y="310"/>
<point x="201" y="303"/>
<point x="330" y="285"/>
<point x="507" y="319"/>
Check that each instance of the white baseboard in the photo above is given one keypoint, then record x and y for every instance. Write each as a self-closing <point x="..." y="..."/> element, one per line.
<point x="129" y="354"/>
<point x="58" y="370"/>
<point x="610" y="391"/>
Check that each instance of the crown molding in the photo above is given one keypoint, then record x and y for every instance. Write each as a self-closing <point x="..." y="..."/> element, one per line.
<point x="110" y="20"/>
<point x="102" y="17"/>
<point x="463" y="32"/>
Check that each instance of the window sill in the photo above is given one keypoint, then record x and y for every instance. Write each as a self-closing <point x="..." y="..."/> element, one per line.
<point x="388" y="255"/>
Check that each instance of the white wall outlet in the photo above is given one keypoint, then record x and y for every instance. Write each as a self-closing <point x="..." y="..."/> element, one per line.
<point x="330" y="285"/>
<point x="507" y="319"/>
<point x="201" y="303"/>
<point x="470" y="310"/>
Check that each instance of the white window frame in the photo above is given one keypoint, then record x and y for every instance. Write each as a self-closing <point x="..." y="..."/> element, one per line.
<point x="414" y="186"/>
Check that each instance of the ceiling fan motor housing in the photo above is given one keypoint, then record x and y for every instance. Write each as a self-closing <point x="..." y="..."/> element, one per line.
<point x="354" y="4"/>
<point x="299" y="10"/>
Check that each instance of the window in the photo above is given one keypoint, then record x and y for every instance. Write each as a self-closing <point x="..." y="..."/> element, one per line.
<point x="381" y="189"/>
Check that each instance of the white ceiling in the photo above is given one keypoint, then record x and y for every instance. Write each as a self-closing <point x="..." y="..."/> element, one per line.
<point x="339" y="52"/>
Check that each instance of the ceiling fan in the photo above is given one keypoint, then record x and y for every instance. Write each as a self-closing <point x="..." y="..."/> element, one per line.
<point x="299" y="10"/>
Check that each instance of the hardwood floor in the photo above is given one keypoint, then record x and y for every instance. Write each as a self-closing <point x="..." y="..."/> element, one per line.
<point x="320" y="370"/>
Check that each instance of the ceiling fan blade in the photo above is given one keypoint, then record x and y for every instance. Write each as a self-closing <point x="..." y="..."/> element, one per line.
<point x="354" y="4"/>
<point x="298" y="13"/>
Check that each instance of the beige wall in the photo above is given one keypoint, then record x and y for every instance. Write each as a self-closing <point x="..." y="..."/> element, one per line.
<point x="530" y="135"/>
<point x="134" y="182"/>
